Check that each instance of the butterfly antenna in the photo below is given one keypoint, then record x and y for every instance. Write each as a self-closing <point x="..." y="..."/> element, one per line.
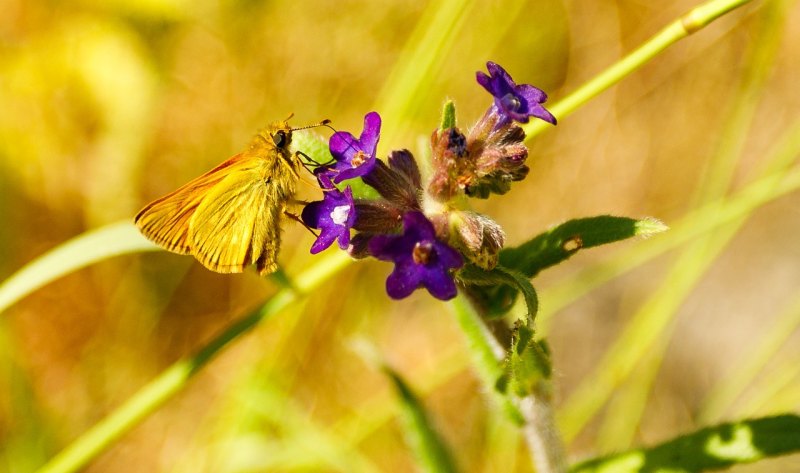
<point x="322" y="123"/>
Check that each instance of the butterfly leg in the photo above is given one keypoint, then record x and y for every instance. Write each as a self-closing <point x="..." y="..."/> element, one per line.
<point x="297" y="218"/>
<point x="310" y="163"/>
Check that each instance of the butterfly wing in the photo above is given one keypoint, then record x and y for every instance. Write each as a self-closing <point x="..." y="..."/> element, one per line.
<point x="238" y="222"/>
<point x="166" y="221"/>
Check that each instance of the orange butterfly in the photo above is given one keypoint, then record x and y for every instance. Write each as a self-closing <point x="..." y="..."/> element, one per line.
<point x="230" y="217"/>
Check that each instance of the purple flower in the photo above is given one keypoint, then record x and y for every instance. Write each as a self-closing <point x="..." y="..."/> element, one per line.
<point x="333" y="216"/>
<point x="513" y="102"/>
<point x="355" y="157"/>
<point x="419" y="259"/>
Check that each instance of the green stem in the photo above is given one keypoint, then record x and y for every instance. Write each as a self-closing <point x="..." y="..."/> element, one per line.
<point x="533" y="413"/>
<point x="97" y="439"/>
<point x="693" y="21"/>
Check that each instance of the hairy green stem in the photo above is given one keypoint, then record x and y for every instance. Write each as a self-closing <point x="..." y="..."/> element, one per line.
<point x="534" y="413"/>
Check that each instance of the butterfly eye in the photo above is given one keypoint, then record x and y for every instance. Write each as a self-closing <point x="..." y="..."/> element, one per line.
<point x="279" y="138"/>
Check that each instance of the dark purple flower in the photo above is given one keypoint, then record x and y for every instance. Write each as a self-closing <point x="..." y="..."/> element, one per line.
<point x="419" y="259"/>
<point x="334" y="216"/>
<point x="355" y="157"/>
<point x="512" y="101"/>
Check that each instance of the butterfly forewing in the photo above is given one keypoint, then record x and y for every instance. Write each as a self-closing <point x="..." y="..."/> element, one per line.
<point x="229" y="217"/>
<point x="166" y="221"/>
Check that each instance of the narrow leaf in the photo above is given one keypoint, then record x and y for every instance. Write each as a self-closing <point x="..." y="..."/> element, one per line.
<point x="426" y="443"/>
<point x="563" y="241"/>
<point x="495" y="280"/>
<point x="83" y="250"/>
<point x="712" y="448"/>
<point x="556" y="245"/>
<point x="528" y="367"/>
<point x="448" y="115"/>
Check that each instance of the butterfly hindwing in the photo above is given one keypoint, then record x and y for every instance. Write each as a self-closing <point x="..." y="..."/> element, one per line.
<point x="236" y="224"/>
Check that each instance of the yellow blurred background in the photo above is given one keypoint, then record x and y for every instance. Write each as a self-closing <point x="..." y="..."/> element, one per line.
<point x="106" y="105"/>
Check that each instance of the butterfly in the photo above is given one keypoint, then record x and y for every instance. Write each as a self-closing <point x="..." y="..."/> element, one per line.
<point x="230" y="217"/>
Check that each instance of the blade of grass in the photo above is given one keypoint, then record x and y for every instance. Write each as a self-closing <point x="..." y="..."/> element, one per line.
<point x="691" y="22"/>
<point x="773" y="388"/>
<point x="85" y="249"/>
<point x="752" y="362"/>
<point x="650" y="324"/>
<point x="621" y="421"/>
<point x="533" y="412"/>
<point x="322" y="448"/>
<point x="173" y="379"/>
<point x="433" y="36"/>
<point x="428" y="446"/>
<point x="695" y="224"/>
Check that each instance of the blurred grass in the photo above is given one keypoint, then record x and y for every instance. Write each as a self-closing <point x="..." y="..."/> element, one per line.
<point x="109" y="104"/>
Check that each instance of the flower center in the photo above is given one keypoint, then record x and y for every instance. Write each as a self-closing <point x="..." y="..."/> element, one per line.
<point x="339" y="214"/>
<point x="510" y="102"/>
<point x="358" y="159"/>
<point x="422" y="252"/>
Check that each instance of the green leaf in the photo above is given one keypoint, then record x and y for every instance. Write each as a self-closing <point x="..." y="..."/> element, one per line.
<point x="556" y="245"/>
<point x="360" y="189"/>
<point x="426" y="443"/>
<point x="563" y="241"/>
<point x="528" y="367"/>
<point x="494" y="279"/>
<point x="711" y="448"/>
<point x="312" y="145"/>
<point x="448" y="115"/>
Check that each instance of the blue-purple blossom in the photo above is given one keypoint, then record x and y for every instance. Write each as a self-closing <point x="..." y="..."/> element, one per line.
<point x="334" y="216"/>
<point x="513" y="102"/>
<point x="420" y="260"/>
<point x="355" y="157"/>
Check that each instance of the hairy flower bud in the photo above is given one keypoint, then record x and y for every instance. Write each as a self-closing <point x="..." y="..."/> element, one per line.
<point x="499" y="159"/>
<point x="450" y="164"/>
<point x="478" y="237"/>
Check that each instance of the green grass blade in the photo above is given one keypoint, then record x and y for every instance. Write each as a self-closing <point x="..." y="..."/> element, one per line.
<point x="85" y="249"/>
<point x="434" y="35"/>
<point x="486" y="354"/>
<point x="725" y="393"/>
<point x="95" y="440"/>
<point x="422" y="437"/>
<point x="687" y="24"/>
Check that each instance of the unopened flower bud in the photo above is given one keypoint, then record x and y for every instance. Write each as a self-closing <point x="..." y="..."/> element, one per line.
<point x="450" y="164"/>
<point x="478" y="237"/>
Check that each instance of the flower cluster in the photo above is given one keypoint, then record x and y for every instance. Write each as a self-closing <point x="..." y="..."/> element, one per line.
<point x="420" y="228"/>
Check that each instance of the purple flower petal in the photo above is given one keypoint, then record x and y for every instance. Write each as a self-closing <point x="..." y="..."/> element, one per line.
<point x="356" y="171"/>
<point x="420" y="259"/>
<point x="440" y="284"/>
<point x="372" y="132"/>
<point x="342" y="145"/>
<point x="513" y="102"/>
<point x="334" y="216"/>
<point x="355" y="157"/>
<point x="325" y="175"/>
<point x="402" y="282"/>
